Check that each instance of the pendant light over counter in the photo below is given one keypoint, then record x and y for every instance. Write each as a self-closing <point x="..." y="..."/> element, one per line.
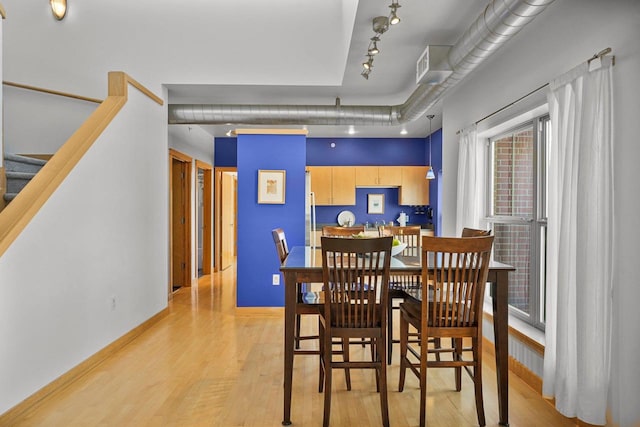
<point x="430" y="174"/>
<point x="58" y="8"/>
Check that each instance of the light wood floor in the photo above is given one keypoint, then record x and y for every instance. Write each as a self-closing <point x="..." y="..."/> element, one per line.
<point x="205" y="364"/>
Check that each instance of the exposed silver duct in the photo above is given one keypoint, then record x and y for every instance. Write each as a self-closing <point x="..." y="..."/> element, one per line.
<point x="500" y="21"/>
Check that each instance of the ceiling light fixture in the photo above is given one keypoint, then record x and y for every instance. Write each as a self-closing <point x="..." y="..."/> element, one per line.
<point x="380" y="26"/>
<point x="373" y="47"/>
<point x="59" y="8"/>
<point x="430" y="174"/>
<point x="369" y="64"/>
<point x="393" y="18"/>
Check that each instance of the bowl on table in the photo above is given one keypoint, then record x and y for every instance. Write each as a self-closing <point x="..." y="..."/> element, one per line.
<point x="395" y="250"/>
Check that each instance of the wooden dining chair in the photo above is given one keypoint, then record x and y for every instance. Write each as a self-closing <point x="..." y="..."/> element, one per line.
<point x="336" y="231"/>
<point x="302" y="305"/>
<point x="356" y="284"/>
<point x="474" y="232"/>
<point x="308" y="302"/>
<point x="399" y="283"/>
<point x="450" y="307"/>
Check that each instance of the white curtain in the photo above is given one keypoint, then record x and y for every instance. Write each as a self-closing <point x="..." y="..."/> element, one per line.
<point x="580" y="243"/>
<point x="471" y="181"/>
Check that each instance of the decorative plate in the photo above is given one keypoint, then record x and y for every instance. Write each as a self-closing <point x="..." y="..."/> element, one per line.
<point x="346" y="219"/>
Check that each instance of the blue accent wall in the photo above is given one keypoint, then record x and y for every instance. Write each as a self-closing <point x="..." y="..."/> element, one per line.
<point x="226" y="152"/>
<point x="435" y="186"/>
<point x="257" y="260"/>
<point x="366" y="151"/>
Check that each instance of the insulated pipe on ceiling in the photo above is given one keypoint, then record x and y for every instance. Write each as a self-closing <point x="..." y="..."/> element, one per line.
<point x="500" y="21"/>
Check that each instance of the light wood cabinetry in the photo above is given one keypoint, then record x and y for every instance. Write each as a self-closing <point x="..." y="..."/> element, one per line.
<point x="383" y="176"/>
<point x="414" y="189"/>
<point x="336" y="185"/>
<point x="333" y="185"/>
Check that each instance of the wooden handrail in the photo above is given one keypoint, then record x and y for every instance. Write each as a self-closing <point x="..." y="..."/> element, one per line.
<point x="15" y="217"/>
<point x="52" y="92"/>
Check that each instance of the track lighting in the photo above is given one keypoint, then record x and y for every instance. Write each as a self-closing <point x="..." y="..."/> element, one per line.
<point x="393" y="18"/>
<point x="380" y="26"/>
<point x="373" y="46"/>
<point x="369" y="64"/>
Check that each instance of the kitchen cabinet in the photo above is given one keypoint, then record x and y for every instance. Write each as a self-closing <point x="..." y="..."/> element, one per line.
<point x="383" y="176"/>
<point x="333" y="185"/>
<point x="414" y="189"/>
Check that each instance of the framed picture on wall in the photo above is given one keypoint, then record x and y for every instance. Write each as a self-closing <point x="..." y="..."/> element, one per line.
<point x="271" y="186"/>
<point x="375" y="203"/>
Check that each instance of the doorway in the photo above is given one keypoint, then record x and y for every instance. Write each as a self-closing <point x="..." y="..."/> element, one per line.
<point x="204" y="216"/>
<point x="180" y="202"/>
<point x="226" y="184"/>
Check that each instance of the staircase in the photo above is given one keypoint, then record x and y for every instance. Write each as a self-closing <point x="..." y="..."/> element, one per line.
<point x="19" y="170"/>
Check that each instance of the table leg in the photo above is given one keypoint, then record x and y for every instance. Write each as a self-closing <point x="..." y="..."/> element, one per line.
<point x="289" y="322"/>
<point x="500" y="292"/>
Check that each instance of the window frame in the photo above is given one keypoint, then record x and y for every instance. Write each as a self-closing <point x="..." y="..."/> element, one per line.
<point x="540" y="125"/>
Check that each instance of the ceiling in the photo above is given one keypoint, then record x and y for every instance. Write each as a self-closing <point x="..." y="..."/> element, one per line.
<point x="310" y="52"/>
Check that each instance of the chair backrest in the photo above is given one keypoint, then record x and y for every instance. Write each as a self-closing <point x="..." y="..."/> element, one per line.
<point x="281" y="243"/>
<point x="454" y="275"/>
<point x="356" y="281"/>
<point x="409" y="234"/>
<point x="333" y="231"/>
<point x="474" y="232"/>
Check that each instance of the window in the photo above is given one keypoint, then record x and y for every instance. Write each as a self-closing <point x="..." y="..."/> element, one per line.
<point x="517" y="207"/>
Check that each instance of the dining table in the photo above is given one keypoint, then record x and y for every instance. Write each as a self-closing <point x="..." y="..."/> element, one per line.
<point x="304" y="265"/>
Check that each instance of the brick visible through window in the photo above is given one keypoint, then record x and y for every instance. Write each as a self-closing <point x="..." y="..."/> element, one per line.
<point x="513" y="192"/>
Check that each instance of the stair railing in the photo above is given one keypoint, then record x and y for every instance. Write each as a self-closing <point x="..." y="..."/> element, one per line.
<point x="15" y="217"/>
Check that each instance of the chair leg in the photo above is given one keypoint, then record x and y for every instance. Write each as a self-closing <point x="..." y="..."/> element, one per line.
<point x="477" y="379"/>
<point x="423" y="384"/>
<point x="328" y="350"/>
<point x="374" y="358"/>
<point x="389" y="330"/>
<point x="437" y="345"/>
<point x="297" y="336"/>
<point x="321" y="358"/>
<point x="382" y="374"/>
<point x="345" y="357"/>
<point x="457" y="355"/>
<point x="404" y="332"/>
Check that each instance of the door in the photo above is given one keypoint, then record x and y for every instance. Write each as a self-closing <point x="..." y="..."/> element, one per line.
<point x="204" y="217"/>
<point x="180" y="220"/>
<point x="228" y="223"/>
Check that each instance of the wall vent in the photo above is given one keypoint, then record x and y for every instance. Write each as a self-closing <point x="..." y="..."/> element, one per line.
<point x="433" y="66"/>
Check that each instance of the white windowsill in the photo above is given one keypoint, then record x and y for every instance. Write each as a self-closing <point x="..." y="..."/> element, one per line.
<point x="524" y="328"/>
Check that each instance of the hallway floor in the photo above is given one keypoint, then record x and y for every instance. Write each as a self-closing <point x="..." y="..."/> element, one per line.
<point x="210" y="364"/>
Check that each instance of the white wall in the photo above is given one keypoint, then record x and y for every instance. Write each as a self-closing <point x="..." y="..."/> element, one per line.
<point x="39" y="123"/>
<point x="1" y="99"/>
<point x="161" y="43"/>
<point x="102" y="235"/>
<point x="567" y="33"/>
<point x="193" y="141"/>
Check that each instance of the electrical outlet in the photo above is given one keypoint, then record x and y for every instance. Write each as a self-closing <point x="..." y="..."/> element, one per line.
<point x="275" y="280"/>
